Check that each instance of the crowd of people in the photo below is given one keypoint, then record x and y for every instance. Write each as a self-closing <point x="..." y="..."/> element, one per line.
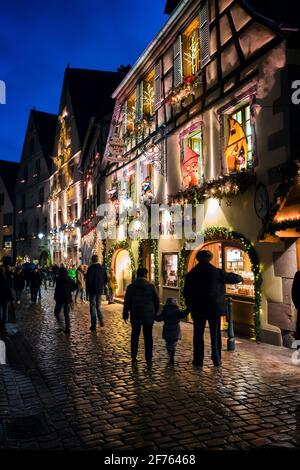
<point x="204" y="295"/>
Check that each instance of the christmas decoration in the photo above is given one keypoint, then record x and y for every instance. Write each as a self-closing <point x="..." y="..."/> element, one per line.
<point x="151" y="246"/>
<point x="223" y="233"/>
<point x="149" y="96"/>
<point x="227" y="186"/>
<point x="185" y="89"/>
<point x="191" y="57"/>
<point x="190" y="168"/>
<point x="120" y="245"/>
<point x="237" y="147"/>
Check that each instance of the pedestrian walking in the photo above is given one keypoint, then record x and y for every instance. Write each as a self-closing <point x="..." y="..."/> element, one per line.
<point x="35" y="283"/>
<point x="80" y="282"/>
<point x="85" y="294"/>
<point x="112" y="285"/>
<point x="96" y="279"/>
<point x="5" y="296"/>
<point x="204" y="294"/>
<point x="63" y="296"/>
<point x="171" y="316"/>
<point x="19" y="283"/>
<point x="296" y="301"/>
<point x="54" y="274"/>
<point x="141" y="304"/>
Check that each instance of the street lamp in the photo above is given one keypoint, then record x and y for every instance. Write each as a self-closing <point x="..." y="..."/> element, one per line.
<point x="41" y="236"/>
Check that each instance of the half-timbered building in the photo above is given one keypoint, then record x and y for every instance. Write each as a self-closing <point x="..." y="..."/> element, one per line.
<point x="205" y="116"/>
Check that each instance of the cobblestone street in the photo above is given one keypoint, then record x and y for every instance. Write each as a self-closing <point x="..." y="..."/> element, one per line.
<point x="80" y="392"/>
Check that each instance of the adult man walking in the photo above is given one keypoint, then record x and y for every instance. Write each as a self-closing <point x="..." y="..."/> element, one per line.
<point x="96" y="278"/>
<point x="204" y="294"/>
<point x="142" y="304"/>
<point x="296" y="300"/>
<point x="35" y="284"/>
<point x="63" y="296"/>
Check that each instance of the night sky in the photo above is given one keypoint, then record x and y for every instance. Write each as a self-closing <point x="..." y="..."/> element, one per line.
<point x="38" y="39"/>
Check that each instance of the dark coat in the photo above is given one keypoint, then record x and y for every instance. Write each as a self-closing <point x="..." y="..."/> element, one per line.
<point x="19" y="281"/>
<point x="296" y="290"/>
<point x="96" y="278"/>
<point x="5" y="290"/>
<point x="171" y="316"/>
<point x="63" y="290"/>
<point x="35" y="279"/>
<point x="141" y="302"/>
<point x="204" y="290"/>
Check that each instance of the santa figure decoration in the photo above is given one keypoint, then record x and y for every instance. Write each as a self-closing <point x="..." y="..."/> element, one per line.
<point x="190" y="168"/>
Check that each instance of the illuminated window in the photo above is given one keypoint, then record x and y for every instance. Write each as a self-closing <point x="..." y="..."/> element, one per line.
<point x="191" y="49"/>
<point x="149" y="94"/>
<point x="238" y="135"/>
<point x="131" y="113"/>
<point x="192" y="165"/>
<point x="170" y="270"/>
<point x="131" y="186"/>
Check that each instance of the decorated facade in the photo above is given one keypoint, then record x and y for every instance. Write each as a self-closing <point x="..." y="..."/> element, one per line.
<point x="33" y="189"/>
<point x="8" y="177"/>
<point x="198" y="120"/>
<point x="86" y="95"/>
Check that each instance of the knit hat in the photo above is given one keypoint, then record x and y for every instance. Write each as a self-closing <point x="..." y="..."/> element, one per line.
<point x="171" y="301"/>
<point x="204" y="255"/>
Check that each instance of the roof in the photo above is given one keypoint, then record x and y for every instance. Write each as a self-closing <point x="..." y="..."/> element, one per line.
<point x="285" y="15"/>
<point x="9" y="173"/>
<point x="45" y="124"/>
<point x="90" y="92"/>
<point x="170" y="6"/>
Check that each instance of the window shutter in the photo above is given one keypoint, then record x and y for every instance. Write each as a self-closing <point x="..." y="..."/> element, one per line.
<point x="177" y="65"/>
<point x="141" y="91"/>
<point x="139" y="101"/>
<point x="157" y="85"/>
<point x="204" y="34"/>
<point x="124" y="117"/>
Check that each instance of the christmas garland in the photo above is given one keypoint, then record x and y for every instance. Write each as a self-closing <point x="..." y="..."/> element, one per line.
<point x="124" y="245"/>
<point x="281" y="226"/>
<point x="153" y="245"/>
<point x="224" y="187"/>
<point x="222" y="233"/>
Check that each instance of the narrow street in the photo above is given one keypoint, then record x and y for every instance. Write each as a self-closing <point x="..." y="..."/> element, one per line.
<point x="80" y="392"/>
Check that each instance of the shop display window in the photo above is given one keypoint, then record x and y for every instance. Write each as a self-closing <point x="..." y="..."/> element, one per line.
<point x="170" y="270"/>
<point x="232" y="258"/>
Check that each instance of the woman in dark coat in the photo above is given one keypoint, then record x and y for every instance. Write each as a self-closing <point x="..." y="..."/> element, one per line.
<point x="63" y="296"/>
<point x="5" y="296"/>
<point x="171" y="316"/>
<point x="296" y="301"/>
<point x="19" y="283"/>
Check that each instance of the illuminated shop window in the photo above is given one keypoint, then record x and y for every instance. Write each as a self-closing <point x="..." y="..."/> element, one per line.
<point x="230" y="257"/>
<point x="238" y="134"/>
<point x="170" y="270"/>
<point x="191" y="49"/>
<point x="192" y="165"/>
